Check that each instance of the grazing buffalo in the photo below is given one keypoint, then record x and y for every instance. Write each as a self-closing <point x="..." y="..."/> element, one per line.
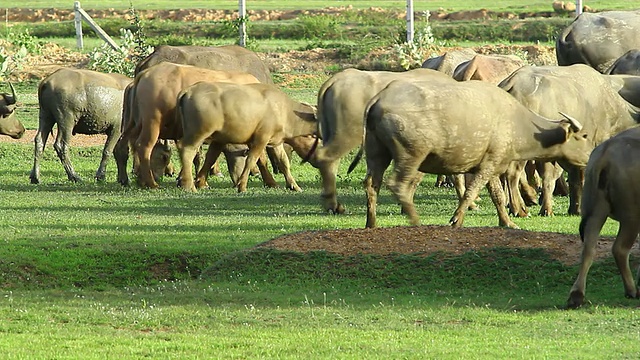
<point x="585" y="94"/>
<point x="341" y="104"/>
<point x="489" y="68"/>
<point x="9" y="123"/>
<point x="153" y="103"/>
<point x="78" y="101"/>
<point x="422" y="127"/>
<point x="227" y="58"/>
<point x="610" y="191"/>
<point x="598" y="39"/>
<point x="628" y="63"/>
<point x="253" y="114"/>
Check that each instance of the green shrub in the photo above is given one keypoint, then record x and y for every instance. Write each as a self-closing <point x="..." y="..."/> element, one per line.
<point x="411" y="54"/>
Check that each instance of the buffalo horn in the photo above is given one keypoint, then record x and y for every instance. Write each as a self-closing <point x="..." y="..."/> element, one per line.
<point x="11" y="99"/>
<point x="575" y="124"/>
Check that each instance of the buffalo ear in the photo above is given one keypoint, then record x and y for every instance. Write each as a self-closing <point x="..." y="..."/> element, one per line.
<point x="575" y="124"/>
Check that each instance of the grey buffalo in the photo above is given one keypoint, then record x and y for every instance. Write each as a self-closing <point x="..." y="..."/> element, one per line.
<point x="341" y="104"/>
<point x="610" y="191"/>
<point x="598" y="39"/>
<point x="9" y="123"/>
<point x="585" y="94"/>
<point x="422" y="127"/>
<point x="78" y="102"/>
<point x="228" y="58"/>
<point x="628" y="63"/>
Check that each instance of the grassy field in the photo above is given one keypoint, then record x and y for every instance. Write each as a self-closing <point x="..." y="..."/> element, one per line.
<point x="94" y="270"/>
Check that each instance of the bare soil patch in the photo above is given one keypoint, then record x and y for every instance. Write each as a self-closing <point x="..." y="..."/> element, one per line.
<point x="429" y="239"/>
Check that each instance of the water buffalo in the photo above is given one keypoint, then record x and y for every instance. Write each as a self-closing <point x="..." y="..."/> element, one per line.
<point x="610" y="191"/>
<point x="341" y="104"/>
<point x="628" y="63"/>
<point x="628" y="86"/>
<point x="585" y="94"/>
<point x="9" y="123"/>
<point x="448" y="61"/>
<point x="152" y="113"/>
<point x="254" y="114"/>
<point x="78" y="101"/>
<point x="422" y="127"/>
<point x="598" y="39"/>
<point x="227" y="58"/>
<point x="489" y="68"/>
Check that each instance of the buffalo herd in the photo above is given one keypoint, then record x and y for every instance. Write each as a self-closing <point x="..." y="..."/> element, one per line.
<point x="479" y="119"/>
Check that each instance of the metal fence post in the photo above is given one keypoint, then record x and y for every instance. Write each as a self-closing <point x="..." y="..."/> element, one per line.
<point x="78" y="24"/>
<point x="242" y="14"/>
<point x="410" y="21"/>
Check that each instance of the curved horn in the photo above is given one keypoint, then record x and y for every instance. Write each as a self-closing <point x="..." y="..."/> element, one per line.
<point x="575" y="124"/>
<point x="11" y="99"/>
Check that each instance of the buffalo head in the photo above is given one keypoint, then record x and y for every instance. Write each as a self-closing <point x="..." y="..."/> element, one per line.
<point x="9" y="124"/>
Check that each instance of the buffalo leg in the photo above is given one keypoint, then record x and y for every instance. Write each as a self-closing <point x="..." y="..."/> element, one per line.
<point x="497" y="196"/>
<point x="40" y="141"/>
<point x="405" y="172"/>
<point x="147" y="138"/>
<point x="551" y="172"/>
<point x="517" y="205"/>
<point x="328" y="160"/>
<point x="372" y="185"/>
<point x="282" y="160"/>
<point x="255" y="149"/>
<point x="213" y="153"/>
<point x="263" y="168"/>
<point x="61" y="145"/>
<point x="621" y="247"/>
<point x="480" y="179"/>
<point x="590" y="231"/>
<point x="112" y="138"/>
<point x="187" y="154"/>
<point x="575" y="177"/>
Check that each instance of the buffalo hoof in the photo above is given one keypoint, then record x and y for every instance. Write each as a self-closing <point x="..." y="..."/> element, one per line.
<point x="339" y="210"/>
<point x="124" y="182"/>
<point x="35" y="180"/>
<point x="201" y="184"/>
<point x="75" y="178"/>
<point x="545" y="212"/>
<point x="576" y="299"/>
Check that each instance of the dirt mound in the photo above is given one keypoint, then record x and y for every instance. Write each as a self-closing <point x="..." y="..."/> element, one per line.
<point x="428" y="239"/>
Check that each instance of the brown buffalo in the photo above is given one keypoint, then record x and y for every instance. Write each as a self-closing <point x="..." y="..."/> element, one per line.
<point x="152" y="113"/>
<point x="253" y="114"/>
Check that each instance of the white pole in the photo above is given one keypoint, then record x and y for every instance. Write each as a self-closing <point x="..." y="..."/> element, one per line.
<point x="78" y="24"/>
<point x="242" y="14"/>
<point x="410" y="21"/>
<point x="578" y="7"/>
